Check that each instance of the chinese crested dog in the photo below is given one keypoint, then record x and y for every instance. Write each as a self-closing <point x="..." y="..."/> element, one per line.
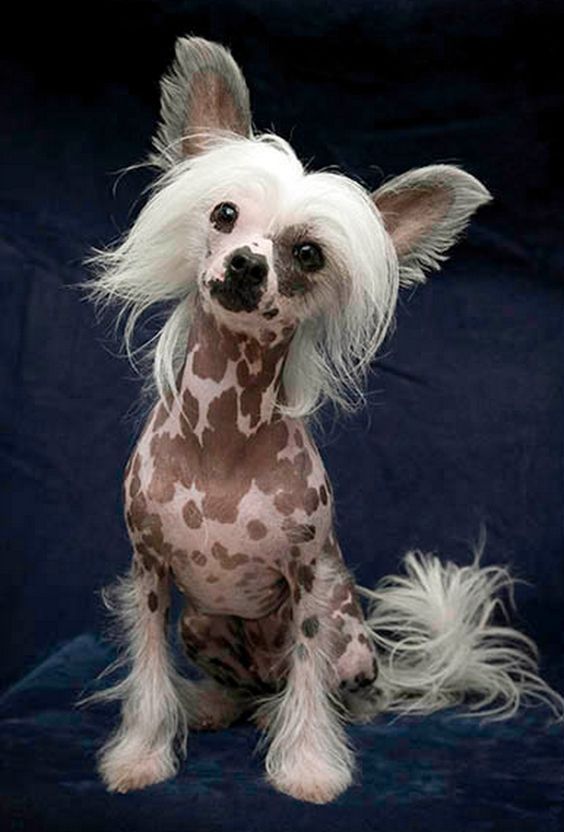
<point x="281" y="284"/>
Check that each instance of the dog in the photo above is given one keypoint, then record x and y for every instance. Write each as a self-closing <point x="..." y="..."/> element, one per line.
<point x="281" y="284"/>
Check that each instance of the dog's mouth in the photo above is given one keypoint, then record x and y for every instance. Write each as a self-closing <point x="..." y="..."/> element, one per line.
<point x="236" y="298"/>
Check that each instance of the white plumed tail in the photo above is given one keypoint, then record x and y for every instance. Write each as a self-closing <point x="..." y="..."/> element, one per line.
<point x="439" y="645"/>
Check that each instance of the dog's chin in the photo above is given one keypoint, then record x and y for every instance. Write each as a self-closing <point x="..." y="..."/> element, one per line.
<point x="240" y="299"/>
<point x="260" y="318"/>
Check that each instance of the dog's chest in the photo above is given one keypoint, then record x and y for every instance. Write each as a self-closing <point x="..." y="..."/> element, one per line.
<point x="229" y="513"/>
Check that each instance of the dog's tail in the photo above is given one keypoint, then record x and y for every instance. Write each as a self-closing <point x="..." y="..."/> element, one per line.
<point x="440" y="643"/>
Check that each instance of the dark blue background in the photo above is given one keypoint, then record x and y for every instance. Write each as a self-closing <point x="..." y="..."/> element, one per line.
<point x="466" y="404"/>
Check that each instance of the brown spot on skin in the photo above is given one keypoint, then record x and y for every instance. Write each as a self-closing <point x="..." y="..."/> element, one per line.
<point x="149" y="560"/>
<point x="190" y="411"/>
<point x="295" y="552"/>
<point x="212" y="579"/>
<point x="254" y="385"/>
<point x="341" y="592"/>
<point x="310" y="626"/>
<point x="323" y="495"/>
<point x="135" y="480"/>
<point x="192" y="515"/>
<point x="270" y="314"/>
<point x="199" y="558"/>
<point x="287" y="613"/>
<point x="311" y="500"/>
<point x="352" y="608"/>
<point x="213" y="346"/>
<point x="340" y="644"/>
<point x="256" y="530"/>
<point x="252" y="350"/>
<point x="153" y="601"/>
<point x="209" y="364"/>
<point x="161" y="416"/>
<point x="227" y="561"/>
<point x="305" y="576"/>
<point x="298" y="532"/>
<point x="284" y="503"/>
<point x="171" y="466"/>
<point x="292" y="279"/>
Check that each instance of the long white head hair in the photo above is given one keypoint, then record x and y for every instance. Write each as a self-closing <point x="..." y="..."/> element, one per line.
<point x="206" y="149"/>
<point x="160" y="258"/>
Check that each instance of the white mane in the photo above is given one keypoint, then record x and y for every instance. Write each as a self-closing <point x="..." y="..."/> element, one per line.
<point x="161" y="256"/>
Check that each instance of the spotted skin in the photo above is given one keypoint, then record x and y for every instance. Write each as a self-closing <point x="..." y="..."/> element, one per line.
<point x="232" y="500"/>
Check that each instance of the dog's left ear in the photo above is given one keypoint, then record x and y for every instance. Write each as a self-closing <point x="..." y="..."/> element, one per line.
<point x="203" y="93"/>
<point x="424" y="212"/>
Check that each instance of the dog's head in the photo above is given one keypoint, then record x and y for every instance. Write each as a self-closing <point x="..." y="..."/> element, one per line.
<point x="265" y="245"/>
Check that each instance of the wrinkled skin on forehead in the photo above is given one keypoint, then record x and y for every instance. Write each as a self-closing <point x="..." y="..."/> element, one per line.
<point x="232" y="500"/>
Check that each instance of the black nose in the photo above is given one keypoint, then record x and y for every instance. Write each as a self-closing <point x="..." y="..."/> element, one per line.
<point x="243" y="286"/>
<point x="244" y="266"/>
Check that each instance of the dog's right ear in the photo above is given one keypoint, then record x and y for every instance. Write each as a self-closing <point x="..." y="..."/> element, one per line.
<point x="204" y="92"/>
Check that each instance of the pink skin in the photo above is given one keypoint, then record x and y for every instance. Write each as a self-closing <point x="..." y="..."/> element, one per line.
<point x="259" y="588"/>
<point x="231" y="500"/>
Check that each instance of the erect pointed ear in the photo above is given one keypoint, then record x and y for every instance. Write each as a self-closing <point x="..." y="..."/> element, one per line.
<point x="424" y="212"/>
<point x="203" y="92"/>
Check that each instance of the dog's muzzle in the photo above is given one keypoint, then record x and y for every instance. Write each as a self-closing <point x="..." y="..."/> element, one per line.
<point x="244" y="282"/>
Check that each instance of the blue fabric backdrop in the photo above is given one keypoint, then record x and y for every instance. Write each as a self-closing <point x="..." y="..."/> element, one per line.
<point x="466" y="403"/>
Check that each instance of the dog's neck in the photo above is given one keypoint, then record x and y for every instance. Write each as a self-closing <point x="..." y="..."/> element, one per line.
<point x="221" y="364"/>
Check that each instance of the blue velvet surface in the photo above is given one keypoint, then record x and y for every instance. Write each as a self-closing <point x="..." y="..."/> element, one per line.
<point x="437" y="773"/>
<point x="465" y="406"/>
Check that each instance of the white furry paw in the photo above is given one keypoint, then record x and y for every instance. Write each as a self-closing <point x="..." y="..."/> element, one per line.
<point x="123" y="774"/>
<point x="312" y="781"/>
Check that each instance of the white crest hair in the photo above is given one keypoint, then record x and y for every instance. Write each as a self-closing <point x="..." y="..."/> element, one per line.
<point x="161" y="256"/>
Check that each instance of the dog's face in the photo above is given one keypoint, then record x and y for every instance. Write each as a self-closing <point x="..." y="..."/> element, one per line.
<point x="275" y="245"/>
<point x="281" y="245"/>
<point x="267" y="246"/>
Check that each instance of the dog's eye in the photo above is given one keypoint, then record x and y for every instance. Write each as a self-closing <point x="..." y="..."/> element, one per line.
<point x="309" y="256"/>
<point x="224" y="216"/>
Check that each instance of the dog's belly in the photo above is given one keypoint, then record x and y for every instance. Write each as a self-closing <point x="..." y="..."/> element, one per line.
<point x="247" y="589"/>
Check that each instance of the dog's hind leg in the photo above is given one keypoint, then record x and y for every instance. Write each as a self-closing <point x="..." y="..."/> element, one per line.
<point x="216" y="644"/>
<point x="155" y="699"/>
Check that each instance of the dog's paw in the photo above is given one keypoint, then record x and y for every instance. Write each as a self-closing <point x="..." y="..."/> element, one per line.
<point x="313" y="783"/>
<point x="121" y="775"/>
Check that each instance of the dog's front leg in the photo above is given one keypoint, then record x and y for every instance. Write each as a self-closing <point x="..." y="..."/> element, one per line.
<point x="308" y="757"/>
<point x="155" y="699"/>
